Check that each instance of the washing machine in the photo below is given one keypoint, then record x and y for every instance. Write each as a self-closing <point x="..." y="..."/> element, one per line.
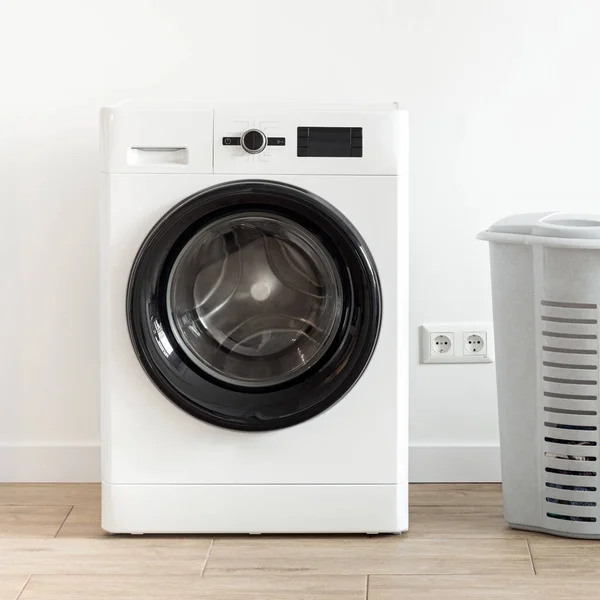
<point x="254" y="318"/>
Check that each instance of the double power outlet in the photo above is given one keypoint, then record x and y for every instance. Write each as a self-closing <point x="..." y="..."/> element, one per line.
<point x="457" y="343"/>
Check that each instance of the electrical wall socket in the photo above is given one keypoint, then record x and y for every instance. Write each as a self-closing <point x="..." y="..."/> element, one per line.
<point x="457" y="343"/>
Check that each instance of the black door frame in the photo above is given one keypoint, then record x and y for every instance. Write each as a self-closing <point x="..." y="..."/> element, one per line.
<point x="260" y="408"/>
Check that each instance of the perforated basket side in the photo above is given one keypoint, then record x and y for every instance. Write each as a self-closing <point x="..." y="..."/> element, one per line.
<point x="569" y="350"/>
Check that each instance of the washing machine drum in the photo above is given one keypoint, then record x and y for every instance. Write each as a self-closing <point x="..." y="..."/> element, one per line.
<point x="254" y="305"/>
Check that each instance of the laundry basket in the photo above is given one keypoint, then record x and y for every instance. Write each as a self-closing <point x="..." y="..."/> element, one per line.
<point x="546" y="291"/>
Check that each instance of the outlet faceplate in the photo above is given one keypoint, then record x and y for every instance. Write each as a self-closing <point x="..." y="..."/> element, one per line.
<point x="457" y="343"/>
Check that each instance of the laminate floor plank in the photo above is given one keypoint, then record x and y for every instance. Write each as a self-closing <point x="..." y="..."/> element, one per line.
<point x="244" y="587"/>
<point x="111" y="556"/>
<point x="11" y="586"/>
<point x="564" y="556"/>
<point x="460" y="522"/>
<point x="83" y="522"/>
<point x="369" y="555"/>
<point x="32" y="521"/>
<point x="50" y="494"/>
<point x="482" y="588"/>
<point x="455" y="494"/>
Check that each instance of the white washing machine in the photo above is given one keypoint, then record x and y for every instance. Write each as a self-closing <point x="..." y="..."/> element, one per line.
<point x="254" y="318"/>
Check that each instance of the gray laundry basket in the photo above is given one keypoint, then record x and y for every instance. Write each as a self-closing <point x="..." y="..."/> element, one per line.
<point x="546" y="291"/>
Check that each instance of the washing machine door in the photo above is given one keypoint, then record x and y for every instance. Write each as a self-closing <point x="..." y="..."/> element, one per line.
<point x="254" y="305"/>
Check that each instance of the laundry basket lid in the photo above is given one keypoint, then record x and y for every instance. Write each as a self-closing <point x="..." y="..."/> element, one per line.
<point x="546" y="228"/>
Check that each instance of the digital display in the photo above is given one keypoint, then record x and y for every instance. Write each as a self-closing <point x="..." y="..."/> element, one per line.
<point x="342" y="142"/>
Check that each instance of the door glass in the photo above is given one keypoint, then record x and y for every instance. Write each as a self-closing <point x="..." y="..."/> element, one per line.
<point x="254" y="299"/>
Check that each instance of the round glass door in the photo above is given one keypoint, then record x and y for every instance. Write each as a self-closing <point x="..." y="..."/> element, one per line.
<point x="254" y="305"/>
<point x="254" y="299"/>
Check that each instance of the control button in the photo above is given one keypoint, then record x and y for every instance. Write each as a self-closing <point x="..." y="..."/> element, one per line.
<point x="302" y="151"/>
<point x="231" y="141"/>
<point x="276" y="141"/>
<point x="253" y="141"/>
<point x="357" y="152"/>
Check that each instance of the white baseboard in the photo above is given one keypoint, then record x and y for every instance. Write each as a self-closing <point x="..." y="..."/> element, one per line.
<point x="453" y="464"/>
<point x="81" y="463"/>
<point x="50" y="463"/>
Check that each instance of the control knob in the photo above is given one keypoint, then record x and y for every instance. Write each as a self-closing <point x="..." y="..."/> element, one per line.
<point x="253" y="141"/>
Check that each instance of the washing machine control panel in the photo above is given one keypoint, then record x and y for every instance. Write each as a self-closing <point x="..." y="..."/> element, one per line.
<point x="256" y="139"/>
<point x="296" y="141"/>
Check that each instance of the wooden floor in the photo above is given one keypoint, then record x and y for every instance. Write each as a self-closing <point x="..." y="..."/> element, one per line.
<point x="52" y="548"/>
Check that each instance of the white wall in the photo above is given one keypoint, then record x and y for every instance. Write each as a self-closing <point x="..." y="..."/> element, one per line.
<point x="504" y="101"/>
